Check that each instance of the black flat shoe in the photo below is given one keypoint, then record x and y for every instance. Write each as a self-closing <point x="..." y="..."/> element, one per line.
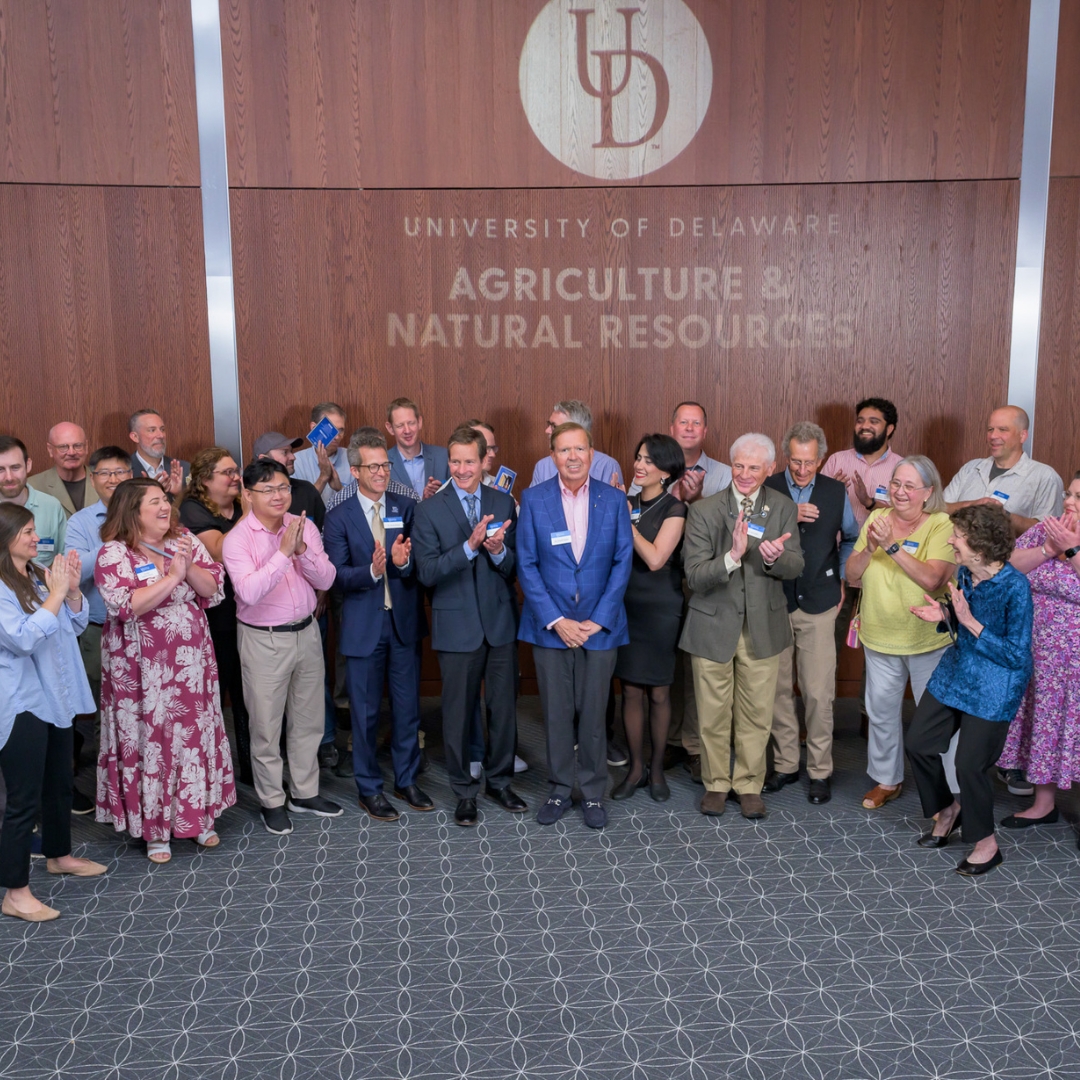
<point x="465" y="814"/>
<point x="379" y="807"/>
<point x="970" y="869"/>
<point x="628" y="786"/>
<point x="1014" y="822"/>
<point x="777" y="780"/>
<point x="508" y="799"/>
<point x="414" y="797"/>
<point x="659" y="791"/>
<point x="929" y="840"/>
<point x="820" y="791"/>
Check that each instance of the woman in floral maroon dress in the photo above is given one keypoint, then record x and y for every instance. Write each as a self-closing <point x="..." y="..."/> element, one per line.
<point x="165" y="768"/>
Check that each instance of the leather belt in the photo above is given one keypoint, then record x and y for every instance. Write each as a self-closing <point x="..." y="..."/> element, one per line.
<point x="285" y="628"/>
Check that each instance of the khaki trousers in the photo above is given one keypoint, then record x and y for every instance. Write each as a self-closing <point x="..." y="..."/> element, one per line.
<point x="735" y="698"/>
<point x="283" y="671"/>
<point x="814" y="651"/>
<point x="683" y="730"/>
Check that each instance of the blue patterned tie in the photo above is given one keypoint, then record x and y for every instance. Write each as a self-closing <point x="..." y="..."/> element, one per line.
<point x="474" y="520"/>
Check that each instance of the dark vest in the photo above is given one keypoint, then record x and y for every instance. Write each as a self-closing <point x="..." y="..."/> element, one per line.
<point x="817" y="588"/>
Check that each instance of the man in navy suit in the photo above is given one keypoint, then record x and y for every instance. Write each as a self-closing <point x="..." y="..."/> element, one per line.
<point x="382" y="625"/>
<point x="574" y="550"/>
<point x="418" y="465"/>
<point x="463" y="543"/>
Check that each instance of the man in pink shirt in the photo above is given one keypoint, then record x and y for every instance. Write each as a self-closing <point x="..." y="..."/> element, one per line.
<point x="276" y="562"/>
<point x="866" y="469"/>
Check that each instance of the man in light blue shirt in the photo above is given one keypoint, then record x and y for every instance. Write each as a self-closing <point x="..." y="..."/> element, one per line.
<point x="603" y="468"/>
<point x="326" y="466"/>
<point x="50" y="520"/>
<point x="415" y="464"/>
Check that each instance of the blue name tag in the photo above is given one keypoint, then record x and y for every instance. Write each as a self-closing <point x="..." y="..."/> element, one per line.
<point x="910" y="546"/>
<point x="1001" y="497"/>
<point x="493" y="527"/>
<point x="322" y="433"/>
<point x="881" y="493"/>
<point x="146" y="572"/>
<point x="394" y="523"/>
<point x="46" y="545"/>
<point x="635" y="516"/>
<point x="558" y="538"/>
<point x="755" y="530"/>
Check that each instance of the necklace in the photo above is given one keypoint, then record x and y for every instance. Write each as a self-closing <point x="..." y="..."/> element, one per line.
<point x="656" y="503"/>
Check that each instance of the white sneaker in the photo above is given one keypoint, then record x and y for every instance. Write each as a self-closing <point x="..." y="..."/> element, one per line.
<point x="520" y="764"/>
<point x="476" y="768"/>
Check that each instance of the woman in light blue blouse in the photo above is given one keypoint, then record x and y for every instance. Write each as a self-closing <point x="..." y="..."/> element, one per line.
<point x="43" y="687"/>
<point x="977" y="686"/>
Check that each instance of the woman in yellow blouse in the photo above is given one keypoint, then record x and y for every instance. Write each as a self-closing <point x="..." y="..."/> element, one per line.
<point x="902" y="554"/>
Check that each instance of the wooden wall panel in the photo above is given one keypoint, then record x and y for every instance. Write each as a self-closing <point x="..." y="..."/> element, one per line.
<point x="908" y="297"/>
<point x="423" y="93"/>
<point x="1065" y="148"/>
<point x="98" y="93"/>
<point x="103" y="311"/>
<point x="1058" y="391"/>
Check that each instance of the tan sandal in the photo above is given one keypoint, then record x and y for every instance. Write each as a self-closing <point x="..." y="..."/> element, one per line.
<point x="878" y="796"/>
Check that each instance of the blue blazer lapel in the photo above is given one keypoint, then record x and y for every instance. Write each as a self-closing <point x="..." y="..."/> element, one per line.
<point x="558" y="524"/>
<point x="596" y="518"/>
<point x="360" y="522"/>
<point x="397" y="467"/>
<point x="456" y="510"/>
<point x="429" y="462"/>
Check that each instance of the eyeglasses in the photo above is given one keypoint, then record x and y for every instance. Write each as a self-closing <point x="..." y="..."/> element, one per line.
<point x="1070" y="494"/>
<point x="232" y="474"/>
<point x="492" y="449"/>
<point x="111" y="474"/>
<point x="378" y="467"/>
<point x="280" y="489"/>
<point x="77" y="447"/>
<point x="907" y="489"/>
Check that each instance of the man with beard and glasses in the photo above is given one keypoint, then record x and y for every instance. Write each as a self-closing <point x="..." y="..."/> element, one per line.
<point x="866" y="469"/>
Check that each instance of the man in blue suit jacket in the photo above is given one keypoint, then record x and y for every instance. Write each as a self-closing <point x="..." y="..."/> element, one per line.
<point x="382" y="624"/>
<point x="574" y="552"/>
<point x="463" y="541"/>
<point x="417" y="465"/>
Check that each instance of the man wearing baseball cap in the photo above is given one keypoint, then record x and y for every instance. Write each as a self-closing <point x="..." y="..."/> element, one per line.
<point x="305" y="496"/>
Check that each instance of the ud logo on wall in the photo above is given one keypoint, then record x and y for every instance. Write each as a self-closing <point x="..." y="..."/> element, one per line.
<point x="615" y="88"/>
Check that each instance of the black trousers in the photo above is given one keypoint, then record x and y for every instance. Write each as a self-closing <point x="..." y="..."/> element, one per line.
<point x="462" y="673"/>
<point x="980" y="745"/>
<point x="222" y="623"/>
<point x="36" y="763"/>
<point x="575" y="681"/>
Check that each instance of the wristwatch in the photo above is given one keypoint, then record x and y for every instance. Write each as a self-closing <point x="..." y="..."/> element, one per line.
<point x="892" y="549"/>
<point x="1072" y="552"/>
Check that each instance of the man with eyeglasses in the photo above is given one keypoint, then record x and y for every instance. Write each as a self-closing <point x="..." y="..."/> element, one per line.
<point x="369" y="542"/>
<point x="107" y="468"/>
<point x="68" y="480"/>
<point x="276" y="562"/>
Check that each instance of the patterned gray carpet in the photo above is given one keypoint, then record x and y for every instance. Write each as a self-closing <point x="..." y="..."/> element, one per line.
<point x="820" y="943"/>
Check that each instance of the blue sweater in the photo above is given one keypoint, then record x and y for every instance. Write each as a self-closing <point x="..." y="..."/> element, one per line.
<point x="987" y="675"/>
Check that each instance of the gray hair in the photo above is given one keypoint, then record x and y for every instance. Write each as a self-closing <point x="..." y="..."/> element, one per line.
<point x="805" y="431"/>
<point x="931" y="478"/>
<point x="756" y="441"/>
<point x="577" y="412"/>
<point x="370" y="437"/>
<point x="135" y="417"/>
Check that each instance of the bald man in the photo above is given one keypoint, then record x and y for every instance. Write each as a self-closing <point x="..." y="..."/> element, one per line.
<point x="68" y="479"/>
<point x="1028" y="490"/>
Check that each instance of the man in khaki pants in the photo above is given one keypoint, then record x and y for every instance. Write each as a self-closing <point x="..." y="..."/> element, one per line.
<point x="739" y="547"/>
<point x="813" y="601"/>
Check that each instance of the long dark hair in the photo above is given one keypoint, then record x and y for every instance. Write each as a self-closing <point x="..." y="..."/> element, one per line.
<point x="122" y="518"/>
<point x="13" y="519"/>
<point x="202" y="468"/>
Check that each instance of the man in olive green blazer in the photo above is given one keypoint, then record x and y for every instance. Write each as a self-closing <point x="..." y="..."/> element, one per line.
<point x="69" y="450"/>
<point x="738" y="548"/>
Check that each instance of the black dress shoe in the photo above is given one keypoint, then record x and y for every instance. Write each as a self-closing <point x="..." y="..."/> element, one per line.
<point x="344" y="766"/>
<point x="465" y="814"/>
<point x="658" y="790"/>
<point x="379" y="807"/>
<point x="628" y="786"/>
<point x="1014" y="822"/>
<point x="508" y="799"/>
<point x="422" y="765"/>
<point x="820" y="791"/>
<point x="414" y="797"/>
<point x="929" y="840"/>
<point x="970" y="869"/>
<point x="776" y="780"/>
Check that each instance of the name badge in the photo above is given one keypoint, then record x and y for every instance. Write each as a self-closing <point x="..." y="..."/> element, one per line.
<point x="910" y="546"/>
<point x="755" y="530"/>
<point x="148" y="572"/>
<point x="881" y="493"/>
<point x="493" y="527"/>
<point x="635" y="516"/>
<point x="393" y="523"/>
<point x="829" y="573"/>
<point x="558" y="538"/>
<point x="46" y="545"/>
<point x="1001" y="497"/>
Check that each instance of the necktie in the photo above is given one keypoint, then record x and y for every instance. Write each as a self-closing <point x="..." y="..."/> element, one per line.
<point x="474" y="520"/>
<point x="747" y="507"/>
<point x="378" y="530"/>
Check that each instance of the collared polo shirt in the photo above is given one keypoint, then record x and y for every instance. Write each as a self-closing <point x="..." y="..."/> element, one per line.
<point x="1029" y="488"/>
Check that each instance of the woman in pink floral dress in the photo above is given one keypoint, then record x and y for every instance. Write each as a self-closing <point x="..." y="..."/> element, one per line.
<point x="1044" y="737"/>
<point x="165" y="768"/>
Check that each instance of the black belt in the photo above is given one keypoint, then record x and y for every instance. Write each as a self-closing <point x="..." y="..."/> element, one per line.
<point x="285" y="628"/>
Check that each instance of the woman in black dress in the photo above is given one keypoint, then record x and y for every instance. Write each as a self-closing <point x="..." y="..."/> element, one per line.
<point x="654" y="602"/>
<point x="210" y="509"/>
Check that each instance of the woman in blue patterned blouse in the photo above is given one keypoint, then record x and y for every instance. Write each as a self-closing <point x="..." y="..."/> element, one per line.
<point x="977" y="686"/>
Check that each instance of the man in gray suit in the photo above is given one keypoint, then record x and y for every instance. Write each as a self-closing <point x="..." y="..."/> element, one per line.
<point x="740" y="545"/>
<point x="464" y="546"/>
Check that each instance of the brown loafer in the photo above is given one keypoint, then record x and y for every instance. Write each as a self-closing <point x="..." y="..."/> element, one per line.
<point x="753" y="807"/>
<point x="88" y="868"/>
<point x="878" y="796"/>
<point x="714" y="803"/>
<point x="693" y="767"/>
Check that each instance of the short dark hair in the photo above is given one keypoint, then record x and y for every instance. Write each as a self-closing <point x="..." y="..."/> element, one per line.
<point x="477" y="423"/>
<point x="570" y="425"/>
<point x="261" y="470"/>
<point x="107" y="453"/>
<point x="695" y="404"/>
<point x="9" y="442"/>
<point x="667" y="455"/>
<point x="135" y="417"/>
<point x="883" y="406"/>
<point x="401" y="403"/>
<point x="324" y="407"/>
<point x="466" y="436"/>
<point x="987" y="530"/>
